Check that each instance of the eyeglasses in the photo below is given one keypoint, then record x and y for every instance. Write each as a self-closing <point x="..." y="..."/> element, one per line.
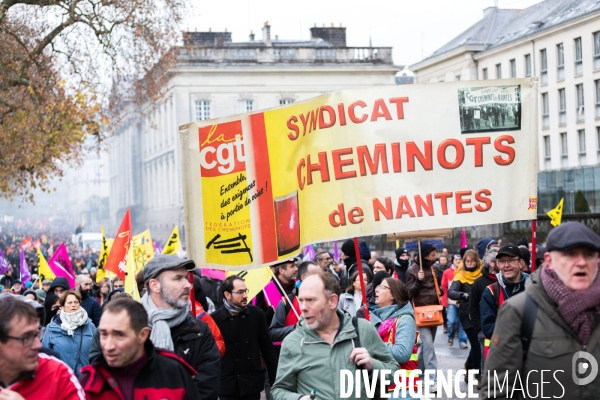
<point x="381" y="287"/>
<point x="240" y="292"/>
<point x="469" y="261"/>
<point x="27" y="340"/>
<point x="506" y="262"/>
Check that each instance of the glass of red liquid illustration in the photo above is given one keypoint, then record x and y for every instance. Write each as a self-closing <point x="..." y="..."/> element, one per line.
<point x="287" y="222"/>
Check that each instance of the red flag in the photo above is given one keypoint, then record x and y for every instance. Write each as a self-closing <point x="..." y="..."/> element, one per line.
<point x="117" y="258"/>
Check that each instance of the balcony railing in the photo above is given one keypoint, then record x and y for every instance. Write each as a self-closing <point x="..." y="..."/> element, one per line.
<point x="342" y="55"/>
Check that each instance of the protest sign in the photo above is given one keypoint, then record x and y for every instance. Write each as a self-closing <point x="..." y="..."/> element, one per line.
<point x="259" y="186"/>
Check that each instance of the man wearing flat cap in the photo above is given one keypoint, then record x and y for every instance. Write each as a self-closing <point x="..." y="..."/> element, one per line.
<point x="547" y="339"/>
<point x="173" y="327"/>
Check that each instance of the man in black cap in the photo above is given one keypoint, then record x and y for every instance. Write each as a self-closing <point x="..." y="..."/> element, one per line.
<point x="173" y="327"/>
<point x="552" y="326"/>
<point x="401" y="264"/>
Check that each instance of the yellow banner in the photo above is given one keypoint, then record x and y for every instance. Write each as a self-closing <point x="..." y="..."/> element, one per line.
<point x="140" y="252"/>
<point x="173" y="246"/>
<point x="44" y="270"/>
<point x="258" y="187"/>
<point x="101" y="273"/>
<point x="256" y="280"/>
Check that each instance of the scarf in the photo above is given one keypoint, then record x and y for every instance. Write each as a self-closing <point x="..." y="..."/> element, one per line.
<point x="463" y="275"/>
<point x="160" y="322"/>
<point x="233" y="309"/>
<point x="577" y="307"/>
<point x="512" y="288"/>
<point x="72" y="321"/>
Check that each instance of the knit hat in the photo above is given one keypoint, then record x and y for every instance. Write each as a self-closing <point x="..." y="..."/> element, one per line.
<point x="348" y="248"/>
<point x="365" y="252"/>
<point x="41" y="295"/>
<point x="379" y="277"/>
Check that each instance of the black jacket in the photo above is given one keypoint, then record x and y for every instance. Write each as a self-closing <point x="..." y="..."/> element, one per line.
<point x="92" y="308"/>
<point x="162" y="376"/>
<point x="194" y="342"/>
<point x="476" y="292"/>
<point x="246" y="338"/>
<point x="456" y="292"/>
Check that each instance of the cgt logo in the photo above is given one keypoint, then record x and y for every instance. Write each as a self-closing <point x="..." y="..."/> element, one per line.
<point x="584" y="368"/>
<point x="222" y="149"/>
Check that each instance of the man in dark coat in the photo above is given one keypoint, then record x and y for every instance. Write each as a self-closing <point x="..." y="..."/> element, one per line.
<point x="246" y="337"/>
<point x="91" y="306"/>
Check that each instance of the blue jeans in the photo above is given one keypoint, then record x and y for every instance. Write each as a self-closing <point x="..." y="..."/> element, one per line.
<point x="453" y="321"/>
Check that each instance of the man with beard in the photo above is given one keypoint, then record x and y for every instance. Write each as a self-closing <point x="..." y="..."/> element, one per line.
<point x="285" y="273"/>
<point x="401" y="264"/>
<point x="326" y="342"/>
<point x="88" y="303"/>
<point x="173" y="328"/>
<point x="246" y="335"/>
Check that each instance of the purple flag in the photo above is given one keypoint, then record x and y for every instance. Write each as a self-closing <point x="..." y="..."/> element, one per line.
<point x="25" y="274"/>
<point x="336" y="251"/>
<point x="309" y="253"/>
<point x="3" y="264"/>
<point x="60" y="264"/>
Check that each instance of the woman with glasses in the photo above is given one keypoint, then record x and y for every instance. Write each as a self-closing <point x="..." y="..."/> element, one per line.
<point x="460" y="290"/>
<point x="394" y="320"/>
<point x="103" y="292"/>
<point x="70" y="332"/>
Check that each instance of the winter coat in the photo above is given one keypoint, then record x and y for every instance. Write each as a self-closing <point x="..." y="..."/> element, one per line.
<point x="279" y="328"/>
<point x="308" y="362"/>
<point x="477" y="289"/>
<point x="421" y="292"/>
<point x="57" y="339"/>
<point x="553" y="345"/>
<point x="246" y="338"/>
<point x="400" y="271"/>
<point x="447" y="277"/>
<point x="92" y="308"/>
<point x="456" y="292"/>
<point x="347" y="303"/>
<point x="406" y="329"/>
<point x="214" y="329"/>
<point x="164" y="376"/>
<point x="488" y="307"/>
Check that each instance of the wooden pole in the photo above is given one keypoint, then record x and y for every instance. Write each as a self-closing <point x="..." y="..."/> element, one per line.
<point x="362" y="279"/>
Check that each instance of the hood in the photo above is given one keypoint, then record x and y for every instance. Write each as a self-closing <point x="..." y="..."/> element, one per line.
<point x="511" y="287"/>
<point x="482" y="246"/>
<point x="393" y="311"/>
<point x="59" y="282"/>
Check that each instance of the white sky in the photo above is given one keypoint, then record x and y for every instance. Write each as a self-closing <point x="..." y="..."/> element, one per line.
<point x="415" y="29"/>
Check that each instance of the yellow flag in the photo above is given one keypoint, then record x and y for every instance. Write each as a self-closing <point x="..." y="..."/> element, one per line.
<point x="256" y="279"/>
<point x="101" y="273"/>
<point x="173" y="246"/>
<point x="556" y="213"/>
<point x="44" y="270"/>
<point x="130" y="283"/>
<point x="140" y="252"/>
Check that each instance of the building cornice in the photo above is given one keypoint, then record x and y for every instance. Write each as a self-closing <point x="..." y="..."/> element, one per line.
<point x="428" y="62"/>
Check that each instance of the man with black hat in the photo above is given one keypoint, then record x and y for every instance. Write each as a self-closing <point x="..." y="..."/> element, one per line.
<point x="173" y="327"/>
<point x="552" y="327"/>
<point x="401" y="264"/>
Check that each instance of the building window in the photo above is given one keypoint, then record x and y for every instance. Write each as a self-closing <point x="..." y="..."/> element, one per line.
<point x="560" y="61"/>
<point x="547" y="147"/>
<point x="484" y="73"/>
<point x="562" y="107"/>
<point x="578" y="57"/>
<point x="527" y="65"/>
<point x="457" y="78"/>
<point x="597" y="82"/>
<point x="245" y="106"/>
<point x="498" y="71"/>
<point x="598" y="137"/>
<point x="597" y="50"/>
<point x="202" y="110"/>
<point x="545" y="111"/>
<point x="283" y="102"/>
<point x="580" y="104"/>
<point x="581" y="138"/>
<point x="564" y="151"/>
<point x="544" y="66"/>
<point x="513" y="68"/>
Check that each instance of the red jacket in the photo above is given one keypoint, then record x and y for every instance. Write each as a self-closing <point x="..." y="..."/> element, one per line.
<point x="53" y="379"/>
<point x="447" y="277"/>
<point x="216" y="332"/>
<point x="165" y="376"/>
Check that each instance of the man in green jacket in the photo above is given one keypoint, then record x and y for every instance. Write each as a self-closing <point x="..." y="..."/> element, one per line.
<point x="323" y="344"/>
<point x="564" y="347"/>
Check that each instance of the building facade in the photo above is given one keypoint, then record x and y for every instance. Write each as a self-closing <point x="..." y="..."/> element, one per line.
<point x="215" y="77"/>
<point x="557" y="41"/>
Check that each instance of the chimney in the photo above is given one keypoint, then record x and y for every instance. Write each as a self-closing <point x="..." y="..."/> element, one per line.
<point x="266" y="33"/>
<point x="335" y="36"/>
<point x="211" y="39"/>
<point x="489" y="11"/>
<point x="251" y="36"/>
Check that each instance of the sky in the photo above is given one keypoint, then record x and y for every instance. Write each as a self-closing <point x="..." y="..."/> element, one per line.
<point x="414" y="29"/>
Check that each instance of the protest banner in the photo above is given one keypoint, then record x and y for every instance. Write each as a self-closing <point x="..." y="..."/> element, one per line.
<point x="44" y="271"/>
<point x="260" y="186"/>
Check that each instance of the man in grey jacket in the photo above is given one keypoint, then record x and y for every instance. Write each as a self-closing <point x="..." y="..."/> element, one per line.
<point x="561" y="298"/>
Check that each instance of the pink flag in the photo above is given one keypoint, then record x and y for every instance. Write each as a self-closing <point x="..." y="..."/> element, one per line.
<point x="218" y="274"/>
<point x="60" y="264"/>
<point x="25" y="274"/>
<point x="463" y="239"/>
<point x="272" y="294"/>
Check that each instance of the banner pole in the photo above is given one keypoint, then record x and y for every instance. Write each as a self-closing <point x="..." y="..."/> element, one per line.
<point x="362" y="279"/>
<point x="192" y="295"/>
<point x="282" y="291"/>
<point x="533" y="243"/>
<point x="420" y="261"/>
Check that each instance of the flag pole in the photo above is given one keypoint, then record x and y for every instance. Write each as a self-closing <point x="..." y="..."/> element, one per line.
<point x="533" y="243"/>
<point x="192" y="295"/>
<point x="282" y="291"/>
<point x="362" y="279"/>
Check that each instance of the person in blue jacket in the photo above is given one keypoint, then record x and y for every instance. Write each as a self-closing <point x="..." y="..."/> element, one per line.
<point x="70" y="332"/>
